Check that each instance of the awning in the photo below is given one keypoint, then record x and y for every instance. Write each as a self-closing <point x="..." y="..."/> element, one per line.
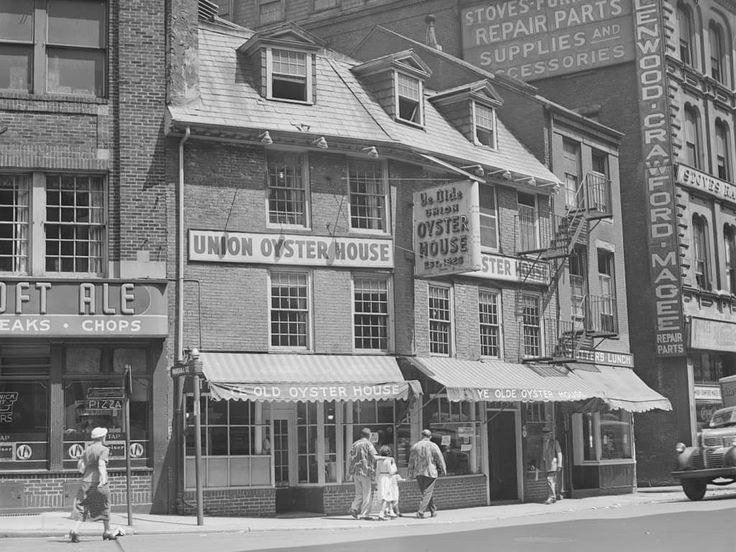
<point x="619" y="387"/>
<point x="311" y="378"/>
<point x="495" y="380"/>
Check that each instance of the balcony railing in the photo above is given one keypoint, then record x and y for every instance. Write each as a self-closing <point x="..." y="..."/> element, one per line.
<point x="602" y="316"/>
<point x="599" y="204"/>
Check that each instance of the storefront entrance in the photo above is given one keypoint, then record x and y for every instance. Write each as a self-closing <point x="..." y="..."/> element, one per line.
<point x="283" y="431"/>
<point x="502" y="455"/>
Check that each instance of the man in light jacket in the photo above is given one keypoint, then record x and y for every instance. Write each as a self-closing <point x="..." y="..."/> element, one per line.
<point x="362" y="468"/>
<point x="426" y="463"/>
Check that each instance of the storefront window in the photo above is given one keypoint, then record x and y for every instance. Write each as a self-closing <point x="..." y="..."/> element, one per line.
<point x="330" y="453"/>
<point x="306" y="423"/>
<point x="24" y="425"/>
<point x="456" y="429"/>
<point x="604" y="435"/>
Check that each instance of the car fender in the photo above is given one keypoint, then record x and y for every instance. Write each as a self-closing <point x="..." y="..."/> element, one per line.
<point x="686" y="459"/>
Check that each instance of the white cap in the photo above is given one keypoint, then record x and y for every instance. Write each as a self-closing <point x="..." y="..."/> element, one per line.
<point x="98" y="432"/>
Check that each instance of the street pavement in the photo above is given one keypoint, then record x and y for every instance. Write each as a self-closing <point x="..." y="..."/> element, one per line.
<point x="58" y="523"/>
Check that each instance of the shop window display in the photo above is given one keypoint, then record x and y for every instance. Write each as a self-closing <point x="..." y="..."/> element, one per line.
<point x="456" y="429"/>
<point x="602" y="436"/>
<point x="387" y="420"/>
<point x="24" y="424"/>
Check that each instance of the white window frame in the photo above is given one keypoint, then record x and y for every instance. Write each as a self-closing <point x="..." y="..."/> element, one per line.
<point x="541" y="345"/>
<point x="385" y="222"/>
<point x="535" y="216"/>
<point x="309" y="316"/>
<point x="262" y="3"/>
<point x="304" y="160"/>
<point x="493" y="129"/>
<point x="389" y="311"/>
<point x="271" y="74"/>
<point x="693" y="137"/>
<point x="398" y="76"/>
<point x="449" y="321"/>
<point x="578" y="438"/>
<point x="701" y="252"/>
<point x="723" y="149"/>
<point x="486" y="216"/>
<point x="499" y="321"/>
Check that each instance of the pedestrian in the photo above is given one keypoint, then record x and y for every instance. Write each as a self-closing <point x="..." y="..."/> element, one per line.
<point x="551" y="463"/>
<point x="362" y="467"/>
<point x="387" y="484"/>
<point x="93" y="497"/>
<point x="426" y="463"/>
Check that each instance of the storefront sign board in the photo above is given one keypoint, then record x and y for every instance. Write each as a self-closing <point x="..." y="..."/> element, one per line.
<point x="512" y="269"/>
<point x="456" y="394"/>
<point x="608" y="358"/>
<point x="289" y="392"/>
<point x="706" y="183"/>
<point x="714" y="335"/>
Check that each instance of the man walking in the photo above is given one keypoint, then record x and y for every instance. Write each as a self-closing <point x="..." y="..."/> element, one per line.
<point x="551" y="463"/>
<point x="362" y="467"/>
<point x="426" y="463"/>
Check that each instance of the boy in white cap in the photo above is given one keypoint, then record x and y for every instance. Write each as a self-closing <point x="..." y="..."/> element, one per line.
<point x="93" y="498"/>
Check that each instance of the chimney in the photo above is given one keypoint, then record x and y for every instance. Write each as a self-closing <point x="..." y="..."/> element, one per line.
<point x="431" y="37"/>
<point x="183" y="54"/>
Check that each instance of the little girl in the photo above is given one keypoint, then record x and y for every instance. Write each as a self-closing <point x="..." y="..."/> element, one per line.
<point x="387" y="475"/>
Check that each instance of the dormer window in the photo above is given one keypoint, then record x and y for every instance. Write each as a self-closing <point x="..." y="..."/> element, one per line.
<point x="289" y="75"/>
<point x="409" y="99"/>
<point x="484" y="123"/>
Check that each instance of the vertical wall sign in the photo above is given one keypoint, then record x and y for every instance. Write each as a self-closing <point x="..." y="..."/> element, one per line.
<point x="664" y="260"/>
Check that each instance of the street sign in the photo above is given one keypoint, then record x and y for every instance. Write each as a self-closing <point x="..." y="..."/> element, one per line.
<point x="191" y="368"/>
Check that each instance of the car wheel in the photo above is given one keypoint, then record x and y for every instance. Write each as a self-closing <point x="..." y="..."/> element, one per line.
<point x="694" y="488"/>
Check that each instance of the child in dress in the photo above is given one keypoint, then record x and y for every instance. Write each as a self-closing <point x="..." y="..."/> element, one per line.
<point x="387" y="475"/>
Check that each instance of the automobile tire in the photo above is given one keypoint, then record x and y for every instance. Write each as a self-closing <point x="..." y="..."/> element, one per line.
<point x="694" y="488"/>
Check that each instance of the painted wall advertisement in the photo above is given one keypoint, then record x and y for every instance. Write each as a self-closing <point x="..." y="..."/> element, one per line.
<point x="664" y="259"/>
<point x="447" y="229"/>
<point x="83" y="309"/>
<point x="534" y="39"/>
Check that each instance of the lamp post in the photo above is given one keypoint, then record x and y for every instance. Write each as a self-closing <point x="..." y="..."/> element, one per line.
<point x="195" y="369"/>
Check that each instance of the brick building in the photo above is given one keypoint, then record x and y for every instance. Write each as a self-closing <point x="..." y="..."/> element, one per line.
<point x="684" y="128"/>
<point x="83" y="245"/>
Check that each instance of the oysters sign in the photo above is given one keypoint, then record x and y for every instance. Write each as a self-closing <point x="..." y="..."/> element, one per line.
<point x="447" y="229"/>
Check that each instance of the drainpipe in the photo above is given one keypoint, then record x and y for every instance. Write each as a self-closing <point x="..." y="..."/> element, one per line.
<point x="179" y="341"/>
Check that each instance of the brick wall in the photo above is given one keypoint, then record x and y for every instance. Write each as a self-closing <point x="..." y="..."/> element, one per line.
<point x="257" y="502"/>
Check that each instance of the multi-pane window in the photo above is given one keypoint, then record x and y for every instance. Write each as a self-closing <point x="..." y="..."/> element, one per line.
<point x="488" y="217"/>
<point x="367" y="195"/>
<point x="723" y="159"/>
<point x="270" y="11"/>
<point x="527" y="206"/>
<point x="371" y="313"/>
<point x="53" y="46"/>
<point x="289" y="310"/>
<point x="608" y="290"/>
<point x="701" y="251"/>
<point x="603" y="435"/>
<point x="307" y="424"/>
<point x="490" y="329"/>
<point x="707" y="367"/>
<point x="598" y="183"/>
<point x="571" y="166"/>
<point x="729" y="237"/>
<point x="439" y="320"/>
<point x="287" y="189"/>
<point x="578" y="263"/>
<point x="685" y="28"/>
<point x="692" y="136"/>
<point x="14" y="222"/>
<point x="717" y="53"/>
<point x="457" y="426"/>
<point x="71" y="236"/>
<point x="290" y="73"/>
<point x="409" y="98"/>
<point x="531" y="325"/>
<point x="485" y="125"/>
<point x="74" y="223"/>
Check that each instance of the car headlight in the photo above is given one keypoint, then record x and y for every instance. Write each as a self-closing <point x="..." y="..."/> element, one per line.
<point x="680" y="448"/>
<point x="730" y="441"/>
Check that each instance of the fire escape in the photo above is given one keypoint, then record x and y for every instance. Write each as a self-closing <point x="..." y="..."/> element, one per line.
<point x="551" y="242"/>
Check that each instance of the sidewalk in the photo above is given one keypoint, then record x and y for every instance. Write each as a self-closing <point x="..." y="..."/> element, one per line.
<point x="58" y="523"/>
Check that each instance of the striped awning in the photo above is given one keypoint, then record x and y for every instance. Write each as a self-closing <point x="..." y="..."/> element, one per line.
<point x="620" y="387"/>
<point x="495" y="380"/>
<point x="310" y="378"/>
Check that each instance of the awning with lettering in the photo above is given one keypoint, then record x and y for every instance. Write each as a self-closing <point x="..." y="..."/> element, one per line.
<point x="495" y="380"/>
<point x="620" y="387"/>
<point x="310" y="378"/>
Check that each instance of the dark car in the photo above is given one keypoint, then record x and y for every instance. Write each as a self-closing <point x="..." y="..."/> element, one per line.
<point x="712" y="459"/>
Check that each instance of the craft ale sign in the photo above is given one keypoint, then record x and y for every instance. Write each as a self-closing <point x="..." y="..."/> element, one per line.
<point x="447" y="229"/>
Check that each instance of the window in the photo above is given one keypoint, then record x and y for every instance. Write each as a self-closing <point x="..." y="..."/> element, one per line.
<point x="485" y="125"/>
<point x="490" y="330"/>
<point x="367" y="195"/>
<point x="723" y="160"/>
<point x="729" y="237"/>
<point x="488" y="217"/>
<point x="701" y="250"/>
<point x="717" y="57"/>
<point x="692" y="136"/>
<point x="388" y="421"/>
<point x="527" y="206"/>
<point x="289" y="310"/>
<point x="53" y="47"/>
<point x="325" y="4"/>
<point x="598" y="184"/>
<point x="571" y="166"/>
<point x="456" y="429"/>
<point x="409" y="99"/>
<point x="685" y="28"/>
<point x="270" y="11"/>
<point x="371" y="313"/>
<point x="290" y="75"/>
<point x="601" y="436"/>
<point x="578" y="263"/>
<point x="531" y="322"/>
<point x="287" y="190"/>
<point x="707" y="367"/>
<point x="608" y="290"/>
<point x="439" y="320"/>
<point x="71" y="237"/>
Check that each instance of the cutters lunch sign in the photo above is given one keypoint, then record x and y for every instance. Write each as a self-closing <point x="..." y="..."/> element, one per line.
<point x="82" y="309"/>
